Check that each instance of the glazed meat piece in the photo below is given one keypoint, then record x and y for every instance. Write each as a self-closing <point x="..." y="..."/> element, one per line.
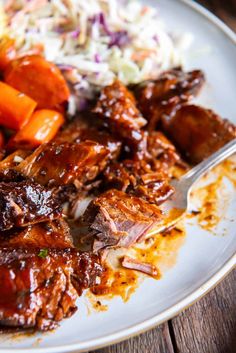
<point x="85" y="128"/>
<point x="147" y="178"/>
<point x="13" y="159"/>
<point x="72" y="131"/>
<point x="26" y="203"/>
<point x="55" y="234"/>
<point x="199" y="132"/>
<point x="117" y="219"/>
<point x="117" y="105"/>
<point x="8" y="164"/>
<point x="39" y="287"/>
<point x="137" y="178"/>
<point x="163" y="151"/>
<point x="160" y="97"/>
<point x="117" y="108"/>
<point x="113" y="145"/>
<point x="65" y="163"/>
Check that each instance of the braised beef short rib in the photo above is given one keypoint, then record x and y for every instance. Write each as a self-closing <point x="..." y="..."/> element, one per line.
<point x="117" y="108"/>
<point x="198" y="132"/>
<point x="162" y="96"/>
<point x="117" y="219"/>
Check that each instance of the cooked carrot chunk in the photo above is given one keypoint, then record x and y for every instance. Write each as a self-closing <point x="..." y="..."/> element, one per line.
<point x="39" y="79"/>
<point x="15" y="107"/>
<point x="41" y="128"/>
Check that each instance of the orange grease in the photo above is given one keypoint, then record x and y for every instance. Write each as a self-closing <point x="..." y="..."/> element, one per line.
<point x="210" y="195"/>
<point x="117" y="282"/>
<point x="160" y="250"/>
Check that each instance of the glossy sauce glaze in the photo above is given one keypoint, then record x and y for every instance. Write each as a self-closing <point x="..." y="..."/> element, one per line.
<point x="41" y="273"/>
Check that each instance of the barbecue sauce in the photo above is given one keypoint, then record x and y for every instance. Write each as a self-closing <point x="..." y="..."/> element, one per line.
<point x="161" y="250"/>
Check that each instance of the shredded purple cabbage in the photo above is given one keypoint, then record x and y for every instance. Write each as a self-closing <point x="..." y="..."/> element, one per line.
<point x="103" y="22"/>
<point x="156" y="38"/>
<point x="65" y="67"/>
<point x="97" y="58"/>
<point x="100" y="19"/>
<point x="119" y="38"/>
<point x="59" y="30"/>
<point x="75" y="34"/>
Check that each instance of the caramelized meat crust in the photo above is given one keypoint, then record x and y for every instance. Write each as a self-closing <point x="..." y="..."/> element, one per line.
<point x="147" y="178"/>
<point x="26" y="203"/>
<point x="64" y="163"/>
<point x="117" y="219"/>
<point x="137" y="178"/>
<point x="117" y="108"/>
<point x="54" y="234"/>
<point x="117" y="105"/>
<point x="38" y="289"/>
<point x="162" y="151"/>
<point x="85" y="128"/>
<point x="172" y="88"/>
<point x="199" y="132"/>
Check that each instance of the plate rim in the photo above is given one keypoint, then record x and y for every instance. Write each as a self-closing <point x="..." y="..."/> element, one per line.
<point x="175" y="309"/>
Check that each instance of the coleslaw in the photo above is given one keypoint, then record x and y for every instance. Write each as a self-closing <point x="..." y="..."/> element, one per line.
<point x="94" y="41"/>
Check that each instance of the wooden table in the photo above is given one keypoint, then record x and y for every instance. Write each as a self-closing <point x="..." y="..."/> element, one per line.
<point x="209" y="326"/>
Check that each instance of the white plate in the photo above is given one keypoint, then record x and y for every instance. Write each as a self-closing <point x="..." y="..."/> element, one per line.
<point x="204" y="259"/>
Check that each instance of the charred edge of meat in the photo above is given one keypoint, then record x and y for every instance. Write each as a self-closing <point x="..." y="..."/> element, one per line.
<point x="9" y="175"/>
<point x="26" y="203"/>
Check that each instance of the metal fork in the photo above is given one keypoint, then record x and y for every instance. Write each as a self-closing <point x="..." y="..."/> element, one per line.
<point x="177" y="206"/>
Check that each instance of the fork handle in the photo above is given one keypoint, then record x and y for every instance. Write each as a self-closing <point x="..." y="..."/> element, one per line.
<point x="199" y="170"/>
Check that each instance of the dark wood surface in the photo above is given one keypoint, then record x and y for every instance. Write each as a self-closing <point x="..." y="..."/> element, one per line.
<point x="224" y="9"/>
<point x="209" y="326"/>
